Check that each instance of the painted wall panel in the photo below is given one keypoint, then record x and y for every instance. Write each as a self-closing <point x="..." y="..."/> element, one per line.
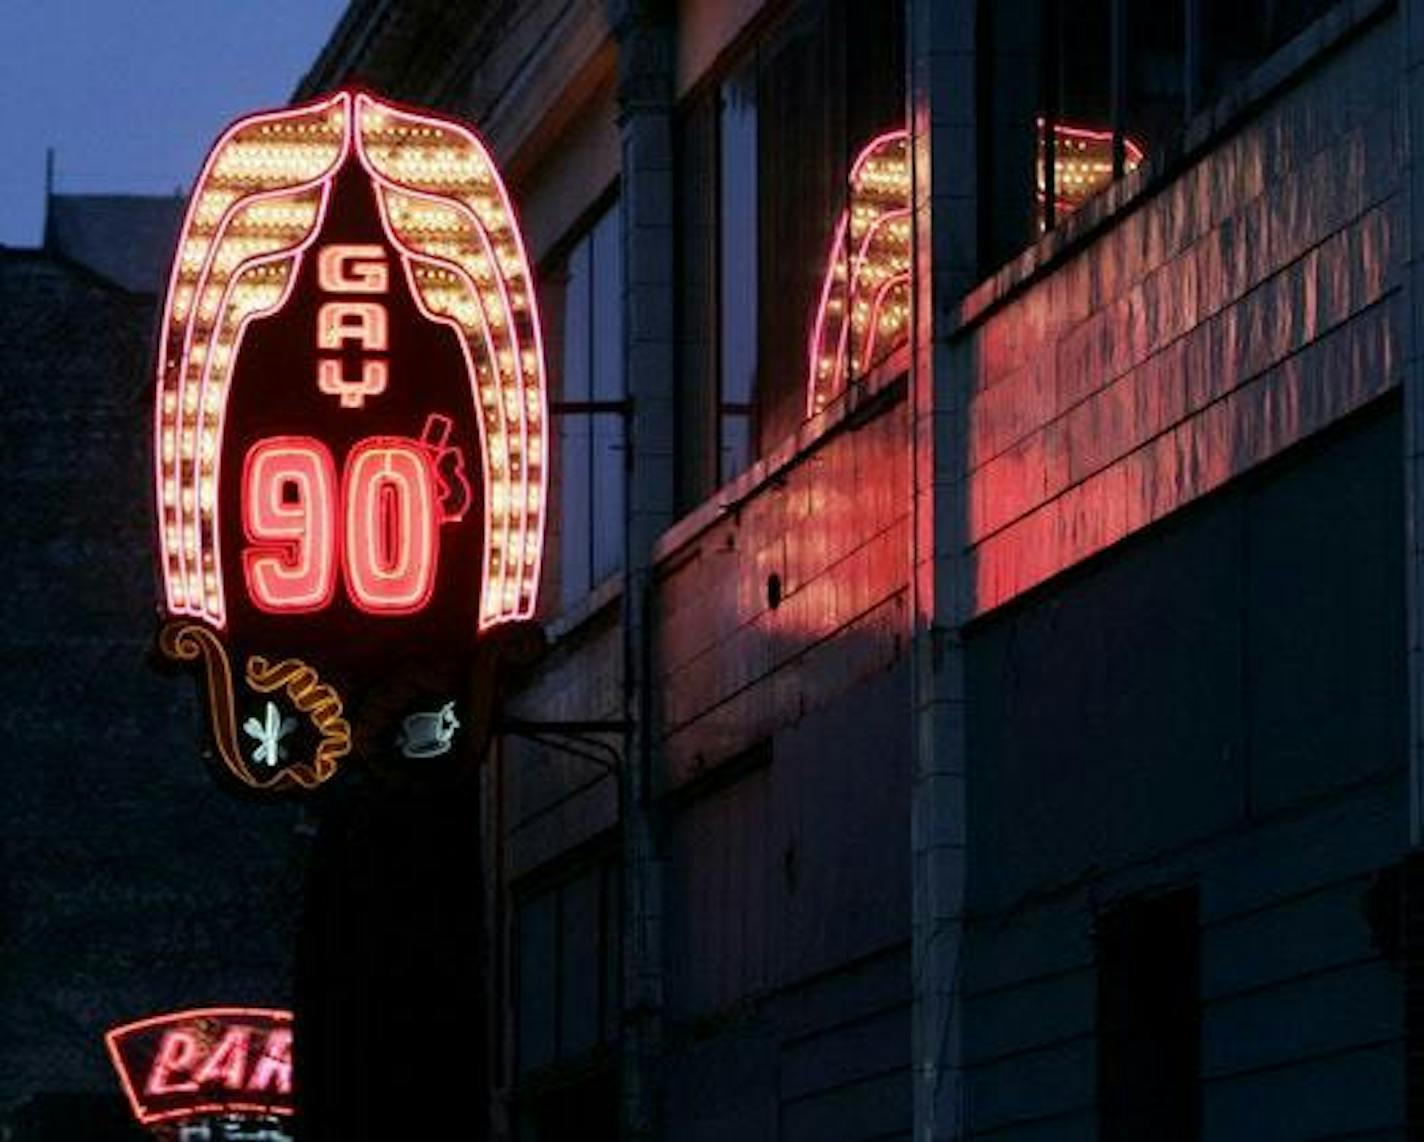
<point x="1306" y="1101"/>
<point x="1221" y="699"/>
<point x="1189" y="342"/>
<point x="1359" y="1005"/>
<point x="872" y="1107"/>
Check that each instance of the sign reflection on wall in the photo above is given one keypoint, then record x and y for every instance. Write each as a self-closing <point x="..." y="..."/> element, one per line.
<point x="350" y="435"/>
<point x="206" y="1063"/>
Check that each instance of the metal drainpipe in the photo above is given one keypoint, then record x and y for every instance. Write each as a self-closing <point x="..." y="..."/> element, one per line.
<point x="643" y="30"/>
<point x="642" y="882"/>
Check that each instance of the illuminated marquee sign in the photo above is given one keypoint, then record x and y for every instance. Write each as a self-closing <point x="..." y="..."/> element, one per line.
<point x="864" y="313"/>
<point x="350" y="434"/>
<point x="206" y="1062"/>
<point x="865" y="294"/>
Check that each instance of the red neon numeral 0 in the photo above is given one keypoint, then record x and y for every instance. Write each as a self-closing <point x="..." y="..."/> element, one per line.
<point x="391" y="536"/>
<point x="288" y="489"/>
<point x="392" y="526"/>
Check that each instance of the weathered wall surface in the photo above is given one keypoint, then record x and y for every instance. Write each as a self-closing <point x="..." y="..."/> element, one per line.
<point x="1222" y="703"/>
<point x="1221" y="698"/>
<point x="784" y="777"/>
<point x="1198" y="376"/>
<point x="1248" y="303"/>
<point x="831" y="527"/>
<point x="834" y="531"/>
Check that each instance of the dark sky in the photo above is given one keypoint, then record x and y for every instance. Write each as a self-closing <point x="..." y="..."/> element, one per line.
<point x="130" y="93"/>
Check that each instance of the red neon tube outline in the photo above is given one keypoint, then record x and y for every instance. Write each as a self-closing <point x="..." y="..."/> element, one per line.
<point x="115" y="1034"/>
<point x="501" y="412"/>
<point x="372" y="587"/>
<point x="814" y="383"/>
<point x="266" y="561"/>
<point x="168" y="361"/>
<point x="530" y="569"/>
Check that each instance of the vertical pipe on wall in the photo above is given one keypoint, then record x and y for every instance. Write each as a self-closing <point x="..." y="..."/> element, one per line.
<point x="644" y="33"/>
<point x="942" y="113"/>
<point x="1413" y="194"/>
<point x="1412" y="897"/>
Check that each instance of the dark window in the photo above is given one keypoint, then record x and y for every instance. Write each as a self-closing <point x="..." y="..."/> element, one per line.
<point x="567" y="983"/>
<point x="1073" y="95"/>
<point x="1236" y="35"/>
<point x="584" y="1109"/>
<point x="737" y="265"/>
<point x="585" y="350"/>
<point x="763" y="157"/>
<point x="1149" y="1019"/>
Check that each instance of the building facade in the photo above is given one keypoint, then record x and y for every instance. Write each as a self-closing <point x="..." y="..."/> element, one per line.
<point x="984" y="689"/>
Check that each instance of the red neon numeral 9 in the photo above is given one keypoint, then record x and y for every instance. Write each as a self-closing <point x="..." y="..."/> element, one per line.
<point x="391" y="535"/>
<point x="288" y="490"/>
<point x="392" y="531"/>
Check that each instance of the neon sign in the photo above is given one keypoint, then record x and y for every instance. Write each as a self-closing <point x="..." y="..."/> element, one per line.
<point x="350" y="361"/>
<point x="1082" y="166"/>
<point x="205" y="1062"/>
<point x="864" y="312"/>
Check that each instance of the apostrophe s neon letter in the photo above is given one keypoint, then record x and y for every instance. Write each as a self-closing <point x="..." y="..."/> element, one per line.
<point x="288" y="516"/>
<point x="392" y="526"/>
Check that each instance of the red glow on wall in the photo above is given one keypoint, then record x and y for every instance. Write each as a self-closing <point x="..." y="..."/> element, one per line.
<point x="206" y="1061"/>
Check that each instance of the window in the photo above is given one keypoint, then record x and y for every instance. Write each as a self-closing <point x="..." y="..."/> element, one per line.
<point x="587" y="318"/>
<point x="1236" y="36"/>
<point x="568" y="969"/>
<point x="1149" y="1019"/>
<point x="737" y="284"/>
<point x="763" y="156"/>
<point x="567" y="992"/>
<point x="1076" y="94"/>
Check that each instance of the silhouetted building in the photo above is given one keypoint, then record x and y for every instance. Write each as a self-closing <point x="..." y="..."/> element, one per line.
<point x="132" y="885"/>
<point x="127" y="238"/>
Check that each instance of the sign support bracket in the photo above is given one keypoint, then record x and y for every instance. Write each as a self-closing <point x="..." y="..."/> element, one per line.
<point x="576" y="738"/>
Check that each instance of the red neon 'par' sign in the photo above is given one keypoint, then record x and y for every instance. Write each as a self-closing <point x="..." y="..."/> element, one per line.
<point x="208" y="1061"/>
